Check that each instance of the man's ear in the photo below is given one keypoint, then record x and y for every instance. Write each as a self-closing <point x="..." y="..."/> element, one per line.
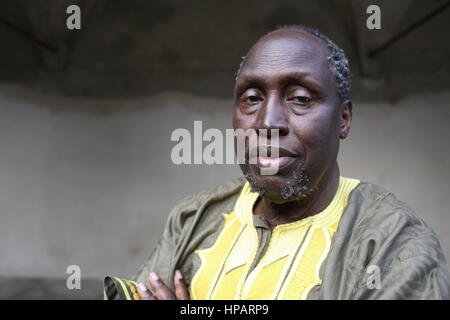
<point x="346" y="118"/>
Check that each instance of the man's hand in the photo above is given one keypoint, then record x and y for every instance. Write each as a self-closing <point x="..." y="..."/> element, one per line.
<point x="161" y="290"/>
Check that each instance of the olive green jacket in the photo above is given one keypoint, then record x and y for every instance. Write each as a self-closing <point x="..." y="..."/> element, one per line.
<point x="376" y="229"/>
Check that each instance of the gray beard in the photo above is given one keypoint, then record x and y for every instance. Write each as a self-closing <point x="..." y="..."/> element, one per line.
<point x="290" y="191"/>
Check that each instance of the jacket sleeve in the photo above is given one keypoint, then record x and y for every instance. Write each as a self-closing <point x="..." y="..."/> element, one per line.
<point x="162" y="259"/>
<point x="404" y="261"/>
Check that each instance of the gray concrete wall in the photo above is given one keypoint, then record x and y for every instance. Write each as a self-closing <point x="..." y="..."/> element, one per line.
<point x="93" y="188"/>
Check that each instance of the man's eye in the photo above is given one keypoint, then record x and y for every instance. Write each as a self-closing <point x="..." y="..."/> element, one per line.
<point x="252" y="99"/>
<point x="301" y="99"/>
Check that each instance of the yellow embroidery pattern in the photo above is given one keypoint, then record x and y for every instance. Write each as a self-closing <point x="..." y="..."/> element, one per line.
<point x="289" y="268"/>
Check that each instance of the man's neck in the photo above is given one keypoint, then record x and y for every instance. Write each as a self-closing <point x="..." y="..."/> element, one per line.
<point x="291" y="211"/>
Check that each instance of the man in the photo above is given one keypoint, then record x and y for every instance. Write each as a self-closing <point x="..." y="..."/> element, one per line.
<point x="305" y="232"/>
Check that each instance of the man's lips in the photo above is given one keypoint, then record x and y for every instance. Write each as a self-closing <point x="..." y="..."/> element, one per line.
<point x="280" y="162"/>
<point x="266" y="157"/>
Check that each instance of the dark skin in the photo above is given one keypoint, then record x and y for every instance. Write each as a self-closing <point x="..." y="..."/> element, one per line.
<point x="162" y="292"/>
<point x="285" y="83"/>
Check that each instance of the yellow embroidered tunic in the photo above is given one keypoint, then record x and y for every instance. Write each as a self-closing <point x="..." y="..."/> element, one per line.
<point x="288" y="260"/>
<point x="226" y="252"/>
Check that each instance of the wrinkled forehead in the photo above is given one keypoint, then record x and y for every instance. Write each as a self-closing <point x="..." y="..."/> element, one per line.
<point x="288" y="51"/>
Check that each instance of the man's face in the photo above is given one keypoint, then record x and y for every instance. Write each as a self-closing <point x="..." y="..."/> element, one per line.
<point x="285" y="83"/>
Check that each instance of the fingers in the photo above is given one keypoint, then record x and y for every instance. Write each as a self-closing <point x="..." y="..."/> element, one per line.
<point x="161" y="290"/>
<point x="144" y="292"/>
<point x="181" y="290"/>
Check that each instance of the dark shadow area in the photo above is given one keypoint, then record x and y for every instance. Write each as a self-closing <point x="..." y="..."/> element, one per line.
<point x="136" y="48"/>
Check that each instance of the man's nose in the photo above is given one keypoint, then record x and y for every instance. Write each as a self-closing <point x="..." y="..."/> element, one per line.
<point x="273" y="116"/>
